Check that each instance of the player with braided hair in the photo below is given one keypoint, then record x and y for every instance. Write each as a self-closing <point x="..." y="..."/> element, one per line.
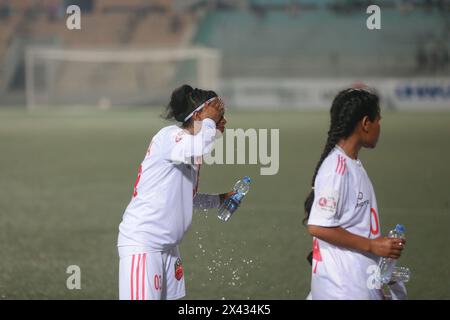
<point x="341" y="209"/>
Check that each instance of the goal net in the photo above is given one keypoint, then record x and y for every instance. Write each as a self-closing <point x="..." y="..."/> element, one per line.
<point x="63" y="78"/>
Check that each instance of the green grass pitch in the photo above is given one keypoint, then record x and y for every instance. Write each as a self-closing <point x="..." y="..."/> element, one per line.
<point x="65" y="179"/>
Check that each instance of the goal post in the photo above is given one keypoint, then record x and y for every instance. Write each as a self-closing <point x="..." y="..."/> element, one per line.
<point x="58" y="78"/>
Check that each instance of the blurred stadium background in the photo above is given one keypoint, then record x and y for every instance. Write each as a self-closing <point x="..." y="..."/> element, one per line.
<point x="78" y="108"/>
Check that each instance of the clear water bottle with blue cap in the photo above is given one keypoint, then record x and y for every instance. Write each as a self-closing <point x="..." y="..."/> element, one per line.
<point x="386" y="266"/>
<point x="231" y="204"/>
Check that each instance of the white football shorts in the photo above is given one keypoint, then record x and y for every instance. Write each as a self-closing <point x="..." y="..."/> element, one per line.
<point x="146" y="275"/>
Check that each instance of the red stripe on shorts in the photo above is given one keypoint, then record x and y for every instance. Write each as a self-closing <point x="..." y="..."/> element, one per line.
<point x="143" y="277"/>
<point x="137" y="277"/>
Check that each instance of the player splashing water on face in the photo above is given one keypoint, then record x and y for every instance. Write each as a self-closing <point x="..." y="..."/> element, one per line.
<point x="165" y="192"/>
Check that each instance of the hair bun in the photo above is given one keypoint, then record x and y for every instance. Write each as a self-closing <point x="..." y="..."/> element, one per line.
<point x="179" y="101"/>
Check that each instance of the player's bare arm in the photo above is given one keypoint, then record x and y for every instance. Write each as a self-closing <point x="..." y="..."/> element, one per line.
<point x="383" y="246"/>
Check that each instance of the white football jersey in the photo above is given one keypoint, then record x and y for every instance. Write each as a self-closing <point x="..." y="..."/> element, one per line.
<point x="160" y="211"/>
<point x="344" y="197"/>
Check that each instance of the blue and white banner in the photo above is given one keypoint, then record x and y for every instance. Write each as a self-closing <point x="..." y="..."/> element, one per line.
<point x="317" y="93"/>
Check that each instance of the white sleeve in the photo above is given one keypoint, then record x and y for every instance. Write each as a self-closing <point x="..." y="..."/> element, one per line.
<point x="206" y="201"/>
<point x="330" y="194"/>
<point x="188" y="147"/>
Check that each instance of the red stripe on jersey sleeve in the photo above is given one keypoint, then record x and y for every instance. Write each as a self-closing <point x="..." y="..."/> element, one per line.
<point x="344" y="166"/>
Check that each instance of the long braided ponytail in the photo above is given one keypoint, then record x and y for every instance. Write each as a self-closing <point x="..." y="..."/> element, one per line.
<point x="347" y="109"/>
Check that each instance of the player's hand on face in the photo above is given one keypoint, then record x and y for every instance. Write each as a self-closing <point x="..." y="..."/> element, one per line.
<point x="214" y="110"/>
<point x="387" y="247"/>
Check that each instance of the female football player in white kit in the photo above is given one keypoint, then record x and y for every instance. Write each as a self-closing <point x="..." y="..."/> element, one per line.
<point x="165" y="192"/>
<point x="341" y="210"/>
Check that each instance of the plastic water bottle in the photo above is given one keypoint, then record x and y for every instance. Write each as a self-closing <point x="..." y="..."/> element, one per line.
<point x="386" y="266"/>
<point x="401" y="274"/>
<point x="231" y="204"/>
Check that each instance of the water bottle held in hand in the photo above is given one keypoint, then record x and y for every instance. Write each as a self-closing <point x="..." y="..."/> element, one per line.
<point x="231" y="204"/>
<point x="401" y="274"/>
<point x="387" y="265"/>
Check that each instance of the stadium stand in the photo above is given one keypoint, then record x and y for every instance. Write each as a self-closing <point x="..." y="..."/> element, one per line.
<point x="105" y="24"/>
<point x="289" y="38"/>
<point x="303" y="44"/>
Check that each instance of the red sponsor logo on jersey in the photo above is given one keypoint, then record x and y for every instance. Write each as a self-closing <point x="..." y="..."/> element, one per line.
<point x="178" y="269"/>
<point x="327" y="203"/>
